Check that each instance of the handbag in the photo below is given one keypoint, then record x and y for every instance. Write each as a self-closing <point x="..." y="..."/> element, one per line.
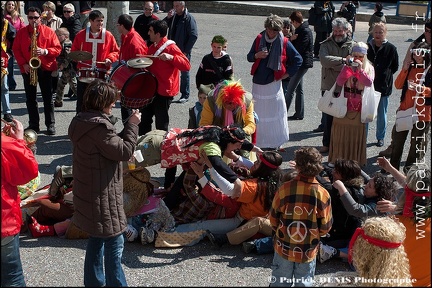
<point x="330" y="104"/>
<point x="312" y="16"/>
<point x="370" y="102"/>
<point x="405" y="119"/>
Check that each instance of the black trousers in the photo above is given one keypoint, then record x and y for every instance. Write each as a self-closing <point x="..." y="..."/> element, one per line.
<point x="31" y="99"/>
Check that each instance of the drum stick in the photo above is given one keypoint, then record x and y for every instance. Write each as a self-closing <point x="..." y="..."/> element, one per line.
<point x="100" y="62"/>
<point x="148" y="56"/>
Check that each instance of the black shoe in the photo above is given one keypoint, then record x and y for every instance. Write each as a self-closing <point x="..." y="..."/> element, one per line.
<point x="295" y="118"/>
<point x="8" y="117"/>
<point x="318" y="129"/>
<point x="182" y="100"/>
<point x="37" y="130"/>
<point x="58" y="104"/>
<point x="248" y="246"/>
<point x="218" y="240"/>
<point x="51" y="130"/>
<point x="12" y="88"/>
<point x="380" y="143"/>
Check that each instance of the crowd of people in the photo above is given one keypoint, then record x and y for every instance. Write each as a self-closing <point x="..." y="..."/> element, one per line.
<point x="231" y="189"/>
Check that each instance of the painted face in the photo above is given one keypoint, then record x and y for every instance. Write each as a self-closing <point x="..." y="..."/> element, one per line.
<point x="369" y="191"/>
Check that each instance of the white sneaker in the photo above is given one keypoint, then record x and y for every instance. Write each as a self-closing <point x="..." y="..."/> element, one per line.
<point x="146" y="235"/>
<point x="326" y="252"/>
<point x="131" y="233"/>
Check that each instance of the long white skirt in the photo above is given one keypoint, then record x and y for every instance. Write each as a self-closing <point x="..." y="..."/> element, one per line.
<point x="272" y="128"/>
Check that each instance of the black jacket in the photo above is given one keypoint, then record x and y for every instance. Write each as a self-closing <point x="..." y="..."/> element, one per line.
<point x="385" y="60"/>
<point x="72" y="24"/>
<point x="304" y="44"/>
<point x="185" y="34"/>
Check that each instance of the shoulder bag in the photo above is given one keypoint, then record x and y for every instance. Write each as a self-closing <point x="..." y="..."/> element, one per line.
<point x="370" y="102"/>
<point x="333" y="104"/>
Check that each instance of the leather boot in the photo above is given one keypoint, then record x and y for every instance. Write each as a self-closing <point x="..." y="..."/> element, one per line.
<point x="218" y="240"/>
<point x="37" y="230"/>
<point x="387" y="152"/>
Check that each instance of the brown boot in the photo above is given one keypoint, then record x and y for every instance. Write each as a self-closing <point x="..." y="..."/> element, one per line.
<point x="387" y="152"/>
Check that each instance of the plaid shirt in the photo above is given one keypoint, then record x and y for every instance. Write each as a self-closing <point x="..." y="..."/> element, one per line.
<point x="300" y="214"/>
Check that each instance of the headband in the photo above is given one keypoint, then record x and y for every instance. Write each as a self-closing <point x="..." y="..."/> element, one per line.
<point x="233" y="136"/>
<point x="268" y="164"/>
<point x="359" y="49"/>
<point x="371" y="240"/>
<point x="409" y="199"/>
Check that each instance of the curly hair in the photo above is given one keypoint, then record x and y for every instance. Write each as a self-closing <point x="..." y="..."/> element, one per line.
<point x="417" y="179"/>
<point x="374" y="262"/>
<point x="384" y="187"/>
<point x="308" y="161"/>
<point x="269" y="179"/>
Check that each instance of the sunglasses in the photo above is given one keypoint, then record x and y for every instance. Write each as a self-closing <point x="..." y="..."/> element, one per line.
<point x="33" y="17"/>
<point x="67" y="11"/>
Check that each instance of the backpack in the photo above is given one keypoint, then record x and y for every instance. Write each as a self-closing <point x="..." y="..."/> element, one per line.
<point x="312" y="16"/>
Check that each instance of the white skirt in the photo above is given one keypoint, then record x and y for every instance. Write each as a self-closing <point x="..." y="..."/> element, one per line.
<point x="269" y="103"/>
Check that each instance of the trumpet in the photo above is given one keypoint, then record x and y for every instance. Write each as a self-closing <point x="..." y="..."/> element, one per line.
<point x="30" y="136"/>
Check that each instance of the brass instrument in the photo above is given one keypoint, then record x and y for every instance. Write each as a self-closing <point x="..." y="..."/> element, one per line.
<point x="34" y="62"/>
<point x="30" y="136"/>
<point x="3" y="73"/>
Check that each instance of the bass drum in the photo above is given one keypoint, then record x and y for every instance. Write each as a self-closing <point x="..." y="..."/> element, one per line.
<point x="137" y="85"/>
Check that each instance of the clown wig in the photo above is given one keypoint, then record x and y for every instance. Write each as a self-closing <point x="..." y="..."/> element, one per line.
<point x="378" y="253"/>
<point x="229" y="91"/>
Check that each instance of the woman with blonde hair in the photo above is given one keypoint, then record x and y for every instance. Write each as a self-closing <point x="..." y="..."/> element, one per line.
<point x="348" y="134"/>
<point x="11" y="13"/>
<point x="378" y="254"/>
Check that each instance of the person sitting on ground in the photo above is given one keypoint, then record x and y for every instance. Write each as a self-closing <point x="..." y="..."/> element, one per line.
<point x="377" y="252"/>
<point x="378" y="187"/>
<point x="413" y="210"/>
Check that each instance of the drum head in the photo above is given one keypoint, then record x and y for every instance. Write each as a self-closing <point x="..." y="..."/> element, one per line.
<point x="139" y="90"/>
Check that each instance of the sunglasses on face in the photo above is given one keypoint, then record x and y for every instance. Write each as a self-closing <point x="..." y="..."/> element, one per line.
<point x="33" y="17"/>
<point x="67" y="11"/>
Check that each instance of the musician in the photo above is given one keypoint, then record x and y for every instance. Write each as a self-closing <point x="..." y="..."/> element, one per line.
<point x="132" y="46"/>
<point x="166" y="68"/>
<point x="44" y="46"/>
<point x="101" y="44"/>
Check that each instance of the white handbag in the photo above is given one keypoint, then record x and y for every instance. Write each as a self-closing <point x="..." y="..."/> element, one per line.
<point x="370" y="102"/>
<point x="405" y="119"/>
<point x="330" y="104"/>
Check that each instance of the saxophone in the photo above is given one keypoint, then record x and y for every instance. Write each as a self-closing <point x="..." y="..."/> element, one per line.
<point x="34" y="62"/>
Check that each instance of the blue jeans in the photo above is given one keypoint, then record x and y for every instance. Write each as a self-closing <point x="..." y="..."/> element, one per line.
<point x="283" y="272"/>
<point x="11" y="267"/>
<point x="382" y="118"/>
<point x="264" y="245"/>
<point x="106" y="251"/>
<point x="184" y="82"/>
<point x="216" y="226"/>
<point x="5" y="96"/>
<point x="295" y="84"/>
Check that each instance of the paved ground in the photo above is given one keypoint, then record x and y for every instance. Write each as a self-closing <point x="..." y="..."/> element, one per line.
<point x="57" y="262"/>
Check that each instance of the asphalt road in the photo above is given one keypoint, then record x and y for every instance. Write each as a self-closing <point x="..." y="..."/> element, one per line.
<point x="58" y="262"/>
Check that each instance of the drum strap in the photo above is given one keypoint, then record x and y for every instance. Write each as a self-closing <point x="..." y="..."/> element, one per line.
<point x="94" y="42"/>
<point x="166" y="44"/>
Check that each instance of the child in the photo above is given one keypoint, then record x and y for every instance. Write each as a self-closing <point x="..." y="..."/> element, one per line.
<point x="378" y="16"/>
<point x="300" y="214"/>
<point x="216" y="66"/>
<point x="65" y="66"/>
<point x="195" y="112"/>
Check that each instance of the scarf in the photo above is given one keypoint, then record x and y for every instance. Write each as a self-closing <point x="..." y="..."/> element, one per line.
<point x="275" y="50"/>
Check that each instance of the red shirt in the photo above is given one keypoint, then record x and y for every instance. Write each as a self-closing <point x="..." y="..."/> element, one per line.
<point x="47" y="39"/>
<point x="132" y="46"/>
<point x="19" y="166"/>
<point x="167" y="73"/>
<point x="106" y="50"/>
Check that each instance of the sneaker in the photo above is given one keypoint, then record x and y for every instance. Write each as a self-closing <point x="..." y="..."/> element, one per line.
<point x="380" y="143"/>
<point x="248" y="246"/>
<point x="217" y="240"/>
<point x="182" y="100"/>
<point x="51" y="130"/>
<point x="131" y="233"/>
<point x="8" y="117"/>
<point x="146" y="235"/>
<point x="326" y="252"/>
<point x="57" y="182"/>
